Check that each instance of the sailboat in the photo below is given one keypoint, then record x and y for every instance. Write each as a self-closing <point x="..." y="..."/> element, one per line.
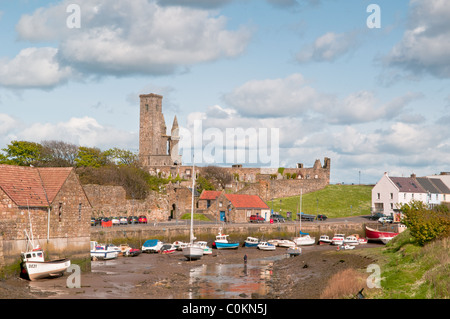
<point x="304" y="238"/>
<point x="192" y="251"/>
<point x="33" y="264"/>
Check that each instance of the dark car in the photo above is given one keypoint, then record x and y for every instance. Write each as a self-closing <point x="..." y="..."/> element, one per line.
<point x="256" y="219"/>
<point x="142" y="219"/>
<point x="322" y="217"/>
<point x="278" y="218"/>
<point x="133" y="220"/>
<point x="95" y="221"/>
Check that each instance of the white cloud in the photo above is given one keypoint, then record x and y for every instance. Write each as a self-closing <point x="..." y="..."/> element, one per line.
<point x="32" y="68"/>
<point x="425" y="45"/>
<point x="138" y="37"/>
<point x="85" y="131"/>
<point x="328" y="47"/>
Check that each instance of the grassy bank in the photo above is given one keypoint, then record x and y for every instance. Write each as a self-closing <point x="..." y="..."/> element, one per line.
<point x="410" y="271"/>
<point x="333" y="201"/>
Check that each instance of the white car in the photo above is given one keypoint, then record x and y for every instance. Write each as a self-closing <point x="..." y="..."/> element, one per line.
<point x="115" y="221"/>
<point x="385" y="220"/>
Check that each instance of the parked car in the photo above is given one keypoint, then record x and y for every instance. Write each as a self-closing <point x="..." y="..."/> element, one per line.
<point x="321" y="217"/>
<point x="133" y="220"/>
<point x="278" y="218"/>
<point x="115" y="221"/>
<point x="142" y="219"/>
<point x="376" y="216"/>
<point x="95" y="221"/>
<point x="383" y="220"/>
<point x="123" y="220"/>
<point x="256" y="219"/>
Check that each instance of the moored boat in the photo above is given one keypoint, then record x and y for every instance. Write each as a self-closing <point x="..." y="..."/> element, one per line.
<point x="324" y="240"/>
<point x="152" y="246"/>
<point x="286" y="243"/>
<point x="167" y="249"/>
<point x="266" y="246"/>
<point x="204" y="245"/>
<point x="380" y="235"/>
<point x="251" y="242"/>
<point x="103" y="252"/>
<point x="304" y="239"/>
<point x="274" y="242"/>
<point x="222" y="242"/>
<point x="351" y="240"/>
<point x="338" y="239"/>
<point x="294" y="251"/>
<point x="35" y="267"/>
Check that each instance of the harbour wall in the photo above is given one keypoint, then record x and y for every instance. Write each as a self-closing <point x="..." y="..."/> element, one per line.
<point x="137" y="235"/>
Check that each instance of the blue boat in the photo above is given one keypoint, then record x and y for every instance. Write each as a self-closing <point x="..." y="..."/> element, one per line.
<point x="251" y="242"/>
<point x="222" y="242"/>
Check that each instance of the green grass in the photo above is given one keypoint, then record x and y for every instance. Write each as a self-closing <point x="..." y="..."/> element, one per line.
<point x="196" y="217"/>
<point x="410" y="271"/>
<point x="333" y="201"/>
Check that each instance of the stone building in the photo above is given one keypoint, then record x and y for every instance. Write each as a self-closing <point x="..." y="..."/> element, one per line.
<point x="53" y="202"/>
<point x="234" y="208"/>
<point x="156" y="148"/>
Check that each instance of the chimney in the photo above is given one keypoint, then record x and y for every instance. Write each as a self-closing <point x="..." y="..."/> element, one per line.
<point x="413" y="175"/>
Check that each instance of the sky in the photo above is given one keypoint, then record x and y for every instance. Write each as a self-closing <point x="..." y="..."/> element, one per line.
<point x="365" y="83"/>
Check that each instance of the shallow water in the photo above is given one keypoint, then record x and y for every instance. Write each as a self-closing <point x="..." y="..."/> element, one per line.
<point x="232" y="280"/>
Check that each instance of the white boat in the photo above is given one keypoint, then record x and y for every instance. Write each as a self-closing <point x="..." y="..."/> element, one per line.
<point x="351" y="240"/>
<point x="152" y="246"/>
<point x="286" y="243"/>
<point x="385" y="240"/>
<point x="362" y="241"/>
<point x="324" y="240"/>
<point x="179" y="245"/>
<point x="251" y="242"/>
<point x="192" y="251"/>
<point x="294" y="251"/>
<point x="346" y="247"/>
<point x="103" y="252"/>
<point x="35" y="267"/>
<point x="338" y="239"/>
<point x="274" y="242"/>
<point x="266" y="246"/>
<point x="303" y="239"/>
<point x="206" y="249"/>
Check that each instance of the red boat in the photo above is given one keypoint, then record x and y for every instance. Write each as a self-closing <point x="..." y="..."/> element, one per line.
<point x="383" y="236"/>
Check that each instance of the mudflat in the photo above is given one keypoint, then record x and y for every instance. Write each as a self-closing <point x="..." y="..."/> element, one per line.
<point x="171" y="276"/>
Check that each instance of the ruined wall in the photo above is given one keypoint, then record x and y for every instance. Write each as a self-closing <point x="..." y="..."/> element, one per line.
<point x="111" y="201"/>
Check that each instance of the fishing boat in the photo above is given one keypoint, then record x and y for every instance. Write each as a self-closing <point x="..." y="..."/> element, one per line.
<point x="266" y="246"/>
<point x="103" y="252"/>
<point x="294" y="251"/>
<point x="152" y="246"/>
<point x="192" y="251"/>
<point x="128" y="251"/>
<point x="35" y="267"/>
<point x="251" y="242"/>
<point x="167" y="249"/>
<point x="383" y="236"/>
<point x="179" y="244"/>
<point x="303" y="239"/>
<point x="338" y="239"/>
<point x="286" y="243"/>
<point x="324" y="240"/>
<point x="222" y="242"/>
<point x="206" y="249"/>
<point x="351" y="240"/>
<point x="362" y="241"/>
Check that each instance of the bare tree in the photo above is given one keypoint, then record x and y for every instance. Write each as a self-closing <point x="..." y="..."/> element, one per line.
<point x="218" y="175"/>
<point x="59" y="153"/>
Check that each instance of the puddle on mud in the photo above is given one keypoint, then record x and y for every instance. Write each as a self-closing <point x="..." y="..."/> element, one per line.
<point x="228" y="281"/>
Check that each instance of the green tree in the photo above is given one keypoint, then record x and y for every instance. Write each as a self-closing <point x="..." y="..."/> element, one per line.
<point x="22" y="153"/>
<point x="121" y="157"/>
<point x="426" y="224"/>
<point x="90" y="157"/>
<point x="204" y="184"/>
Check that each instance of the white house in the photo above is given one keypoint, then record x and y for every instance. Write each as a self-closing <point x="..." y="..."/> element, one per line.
<point x="392" y="192"/>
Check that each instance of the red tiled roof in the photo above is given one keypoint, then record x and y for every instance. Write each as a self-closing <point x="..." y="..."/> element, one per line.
<point x="246" y="201"/>
<point x="212" y="195"/>
<point x="29" y="186"/>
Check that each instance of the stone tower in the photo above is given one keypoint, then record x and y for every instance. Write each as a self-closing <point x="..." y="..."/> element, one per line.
<point x="156" y="148"/>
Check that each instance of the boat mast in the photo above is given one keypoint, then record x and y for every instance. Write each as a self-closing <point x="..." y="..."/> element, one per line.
<point x="192" y="202"/>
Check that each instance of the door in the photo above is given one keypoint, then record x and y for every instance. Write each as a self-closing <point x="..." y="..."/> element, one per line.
<point x="222" y="216"/>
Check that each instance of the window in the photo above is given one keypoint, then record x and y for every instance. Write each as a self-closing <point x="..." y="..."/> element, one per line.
<point x="220" y="204"/>
<point x="378" y="195"/>
<point x="146" y="107"/>
<point x="59" y="212"/>
<point x="79" y="211"/>
<point x="392" y="195"/>
<point x="392" y="206"/>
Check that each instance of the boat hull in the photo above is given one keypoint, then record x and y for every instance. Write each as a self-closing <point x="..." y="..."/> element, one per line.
<point x="193" y="252"/>
<point x="304" y="241"/>
<point x="220" y="245"/>
<point x="104" y="255"/>
<point x="376" y="235"/>
<point x="295" y="251"/>
<point x="44" y="269"/>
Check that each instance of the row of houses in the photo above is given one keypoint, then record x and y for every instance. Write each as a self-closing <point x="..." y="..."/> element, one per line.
<point x="390" y="193"/>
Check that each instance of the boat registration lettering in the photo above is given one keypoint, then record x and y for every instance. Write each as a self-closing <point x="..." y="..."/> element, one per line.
<point x="32" y="266"/>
